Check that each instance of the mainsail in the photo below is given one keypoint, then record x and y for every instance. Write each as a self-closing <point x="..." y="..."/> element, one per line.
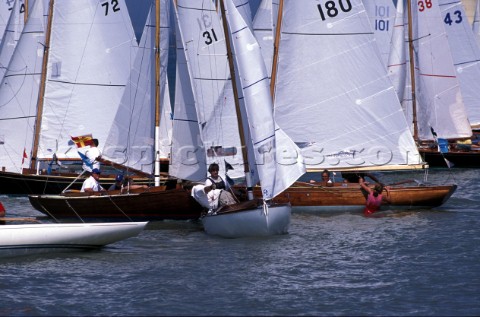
<point x="19" y="93"/>
<point x="439" y="99"/>
<point x="333" y="96"/>
<point x="466" y="56"/>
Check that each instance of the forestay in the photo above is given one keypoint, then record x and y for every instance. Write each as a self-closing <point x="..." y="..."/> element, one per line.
<point x="333" y="96"/>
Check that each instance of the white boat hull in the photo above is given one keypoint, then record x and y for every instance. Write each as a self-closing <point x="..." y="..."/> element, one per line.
<point x="26" y="239"/>
<point x="249" y="222"/>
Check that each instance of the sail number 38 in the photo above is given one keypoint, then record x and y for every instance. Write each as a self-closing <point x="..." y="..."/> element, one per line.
<point x="331" y="8"/>
<point x="424" y="4"/>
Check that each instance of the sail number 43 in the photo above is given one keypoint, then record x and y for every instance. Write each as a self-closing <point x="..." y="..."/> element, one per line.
<point x="331" y="8"/>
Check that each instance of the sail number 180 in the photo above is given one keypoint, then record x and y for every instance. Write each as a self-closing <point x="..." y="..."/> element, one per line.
<point x="330" y="8"/>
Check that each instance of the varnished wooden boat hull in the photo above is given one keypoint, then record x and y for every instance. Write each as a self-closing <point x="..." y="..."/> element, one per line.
<point x="150" y="204"/>
<point x="470" y="159"/>
<point x="338" y="198"/>
<point x="32" y="184"/>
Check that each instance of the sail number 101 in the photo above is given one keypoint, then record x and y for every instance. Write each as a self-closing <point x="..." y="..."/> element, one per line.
<point x="330" y="8"/>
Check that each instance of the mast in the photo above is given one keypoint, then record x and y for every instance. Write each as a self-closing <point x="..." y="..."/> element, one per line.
<point x="41" y="93"/>
<point x="412" y="70"/>
<point x="237" y="103"/>
<point x="25" y="14"/>
<point x="275" y="50"/>
<point x="157" y="91"/>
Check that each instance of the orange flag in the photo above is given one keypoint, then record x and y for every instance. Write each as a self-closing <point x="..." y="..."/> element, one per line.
<point x="82" y="140"/>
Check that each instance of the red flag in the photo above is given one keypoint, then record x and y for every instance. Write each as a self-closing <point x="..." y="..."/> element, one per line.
<point x="24" y="155"/>
<point x="82" y="140"/>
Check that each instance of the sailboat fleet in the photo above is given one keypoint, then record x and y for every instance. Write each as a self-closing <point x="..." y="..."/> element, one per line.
<point x="306" y="85"/>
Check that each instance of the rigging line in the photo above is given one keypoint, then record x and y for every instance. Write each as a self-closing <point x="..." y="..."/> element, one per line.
<point x="70" y="206"/>
<point x="17" y="118"/>
<point x="252" y="84"/>
<point x="86" y="84"/>
<point x="120" y="209"/>
<point x="48" y="213"/>
<point x="327" y="34"/>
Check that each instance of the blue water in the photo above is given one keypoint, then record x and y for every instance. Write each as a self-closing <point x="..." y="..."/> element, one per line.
<point x="424" y="262"/>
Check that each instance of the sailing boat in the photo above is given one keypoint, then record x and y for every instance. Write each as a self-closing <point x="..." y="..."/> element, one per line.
<point x="30" y="239"/>
<point x="339" y="105"/>
<point x="63" y="80"/>
<point x="134" y="142"/>
<point x="269" y="142"/>
<point x="465" y="56"/>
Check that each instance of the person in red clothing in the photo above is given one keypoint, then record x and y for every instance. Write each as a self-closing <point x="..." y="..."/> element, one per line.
<point x="374" y="198"/>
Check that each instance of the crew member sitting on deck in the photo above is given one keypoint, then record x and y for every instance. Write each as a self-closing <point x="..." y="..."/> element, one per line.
<point x="326" y="180"/>
<point x="118" y="183"/>
<point x="216" y="179"/>
<point x="91" y="184"/>
<point x="212" y="198"/>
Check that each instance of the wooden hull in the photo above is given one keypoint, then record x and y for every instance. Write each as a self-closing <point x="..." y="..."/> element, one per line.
<point x="32" y="184"/>
<point x="154" y="203"/>
<point x="28" y="239"/>
<point x="470" y="159"/>
<point x="338" y="198"/>
<point x="248" y="219"/>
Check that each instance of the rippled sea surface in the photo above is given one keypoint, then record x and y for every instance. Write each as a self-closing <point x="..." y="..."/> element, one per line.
<point x="423" y="262"/>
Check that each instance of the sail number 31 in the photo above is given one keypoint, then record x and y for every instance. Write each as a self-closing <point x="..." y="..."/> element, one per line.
<point x="331" y="9"/>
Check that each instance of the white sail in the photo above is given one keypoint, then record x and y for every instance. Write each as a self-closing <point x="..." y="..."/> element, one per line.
<point x="166" y="115"/>
<point x="278" y="161"/>
<point x="187" y="159"/>
<point x="465" y="54"/>
<point x="92" y="48"/>
<point x="397" y="60"/>
<point x="264" y="25"/>
<point x="210" y="74"/>
<point x="382" y="17"/>
<point x="333" y="96"/>
<point x="19" y="93"/>
<point x="5" y="13"/>
<point x="131" y="140"/>
<point x="476" y="21"/>
<point x="439" y="99"/>
<point x="11" y="35"/>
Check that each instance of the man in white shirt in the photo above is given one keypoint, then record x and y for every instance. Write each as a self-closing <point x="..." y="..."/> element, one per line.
<point x="92" y="154"/>
<point x="91" y="184"/>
